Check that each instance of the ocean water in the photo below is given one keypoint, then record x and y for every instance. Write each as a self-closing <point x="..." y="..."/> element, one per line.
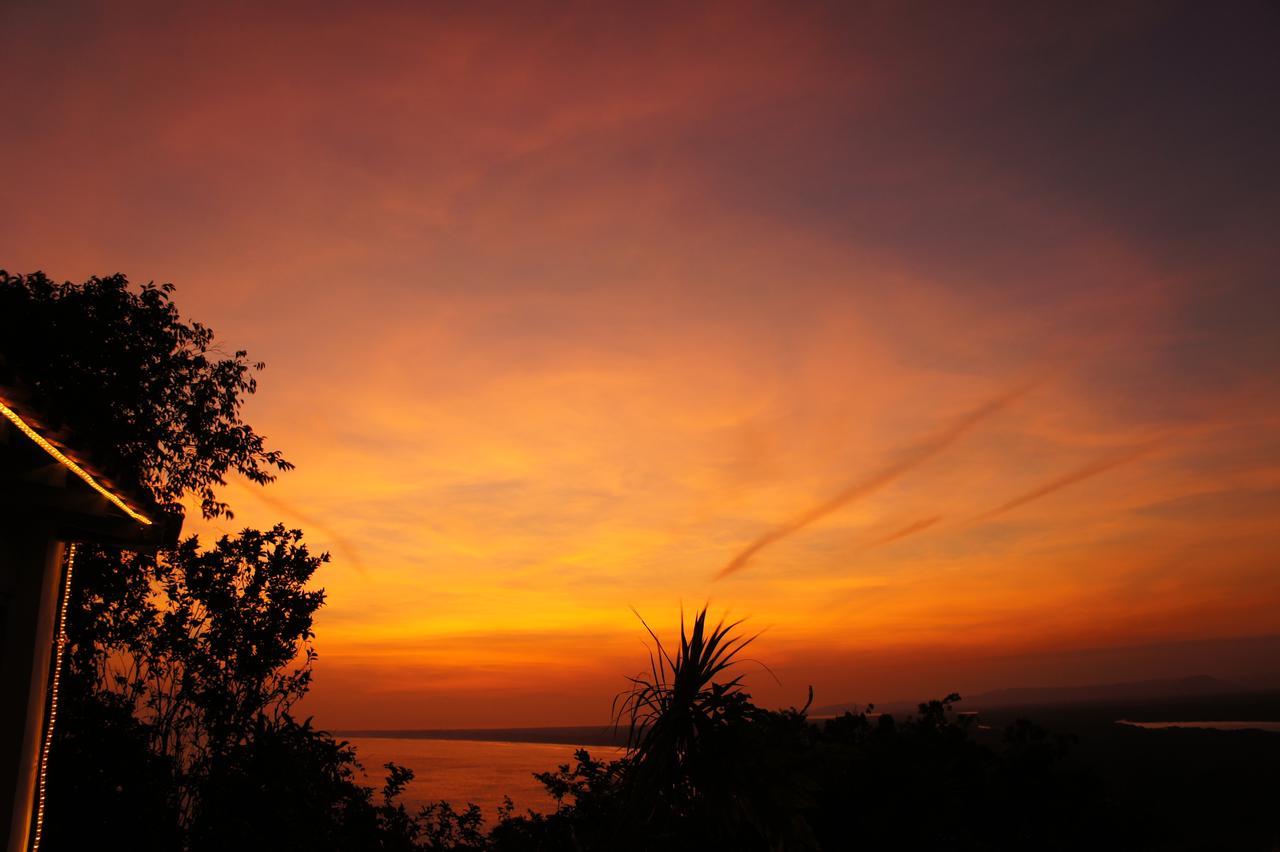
<point x="462" y="771"/>
<point x="1213" y="726"/>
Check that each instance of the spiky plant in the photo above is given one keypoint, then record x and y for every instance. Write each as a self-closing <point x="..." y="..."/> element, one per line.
<point x="674" y="707"/>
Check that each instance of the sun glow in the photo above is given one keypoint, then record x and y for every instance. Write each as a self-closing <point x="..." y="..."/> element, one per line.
<point x="557" y="327"/>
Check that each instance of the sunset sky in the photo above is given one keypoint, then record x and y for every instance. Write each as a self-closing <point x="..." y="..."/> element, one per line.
<point x="945" y="347"/>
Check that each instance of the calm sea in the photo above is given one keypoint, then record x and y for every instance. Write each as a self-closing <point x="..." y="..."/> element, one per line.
<point x="462" y="771"/>
<point x="1213" y="726"/>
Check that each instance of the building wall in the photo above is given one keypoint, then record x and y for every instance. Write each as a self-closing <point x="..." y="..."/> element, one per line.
<point x="31" y="563"/>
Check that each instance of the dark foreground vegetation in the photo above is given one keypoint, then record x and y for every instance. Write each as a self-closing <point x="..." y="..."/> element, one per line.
<point x="176" y="728"/>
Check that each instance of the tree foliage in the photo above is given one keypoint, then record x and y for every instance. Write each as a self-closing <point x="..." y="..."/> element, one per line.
<point x="200" y="644"/>
<point x="137" y="383"/>
<point x="183" y="666"/>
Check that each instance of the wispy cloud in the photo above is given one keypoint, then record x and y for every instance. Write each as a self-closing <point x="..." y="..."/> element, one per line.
<point x="534" y="414"/>
<point x="340" y="542"/>
<point x="903" y="532"/>
<point x="1080" y="474"/>
<point x="911" y="458"/>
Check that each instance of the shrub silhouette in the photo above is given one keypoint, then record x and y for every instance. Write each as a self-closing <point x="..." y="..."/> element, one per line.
<point x="697" y="766"/>
<point x="676" y="707"/>
<point x="707" y="769"/>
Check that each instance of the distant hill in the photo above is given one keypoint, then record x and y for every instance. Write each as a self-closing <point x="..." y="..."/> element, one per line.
<point x="1199" y="686"/>
<point x="1186" y="687"/>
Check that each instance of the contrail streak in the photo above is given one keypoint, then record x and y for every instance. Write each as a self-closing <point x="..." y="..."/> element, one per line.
<point x="909" y="529"/>
<point x="913" y="457"/>
<point x="1093" y="469"/>
<point x="340" y="542"/>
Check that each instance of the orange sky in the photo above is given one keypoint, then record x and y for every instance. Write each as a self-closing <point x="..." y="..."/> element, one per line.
<point x="968" y="322"/>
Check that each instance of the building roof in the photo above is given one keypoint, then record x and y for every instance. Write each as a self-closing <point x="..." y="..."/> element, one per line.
<point x="45" y="471"/>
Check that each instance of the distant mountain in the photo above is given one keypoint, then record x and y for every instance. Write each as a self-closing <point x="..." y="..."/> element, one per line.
<point x="894" y="708"/>
<point x="607" y="735"/>
<point x="1186" y="687"/>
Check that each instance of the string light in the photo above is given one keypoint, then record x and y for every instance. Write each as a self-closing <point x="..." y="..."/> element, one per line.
<point x="59" y="646"/>
<point x="13" y="418"/>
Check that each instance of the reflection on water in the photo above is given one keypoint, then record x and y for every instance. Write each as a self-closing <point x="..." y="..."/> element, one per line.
<point x="1217" y="726"/>
<point x="462" y="771"/>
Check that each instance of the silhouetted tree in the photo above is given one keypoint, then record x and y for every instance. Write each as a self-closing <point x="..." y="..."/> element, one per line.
<point x="175" y="730"/>
<point x="137" y="382"/>
<point x="202" y="644"/>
